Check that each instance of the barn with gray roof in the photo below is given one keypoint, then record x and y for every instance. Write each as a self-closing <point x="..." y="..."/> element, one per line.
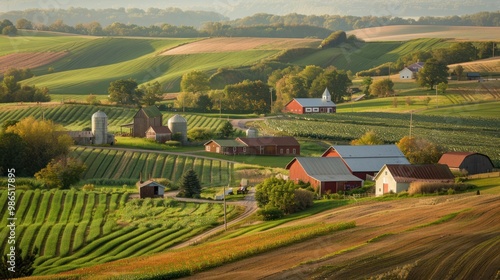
<point x="323" y="105"/>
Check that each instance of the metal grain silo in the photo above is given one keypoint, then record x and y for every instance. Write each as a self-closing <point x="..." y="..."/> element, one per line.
<point x="100" y="127"/>
<point x="178" y="124"/>
<point x="252" y="132"/>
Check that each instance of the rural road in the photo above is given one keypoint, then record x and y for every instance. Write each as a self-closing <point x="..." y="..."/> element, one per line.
<point x="250" y="207"/>
<point x="241" y="123"/>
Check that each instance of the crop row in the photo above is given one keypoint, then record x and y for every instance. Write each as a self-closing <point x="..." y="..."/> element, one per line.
<point x="112" y="164"/>
<point x="75" y="117"/>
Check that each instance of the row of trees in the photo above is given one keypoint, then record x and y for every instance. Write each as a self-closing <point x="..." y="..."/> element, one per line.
<point x="12" y="91"/>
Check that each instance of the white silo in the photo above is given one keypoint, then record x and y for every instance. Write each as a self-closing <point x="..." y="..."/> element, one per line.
<point x="178" y="124"/>
<point x="100" y="127"/>
<point x="252" y="132"/>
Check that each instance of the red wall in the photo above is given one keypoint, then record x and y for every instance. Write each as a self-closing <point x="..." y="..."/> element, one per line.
<point x="294" y="107"/>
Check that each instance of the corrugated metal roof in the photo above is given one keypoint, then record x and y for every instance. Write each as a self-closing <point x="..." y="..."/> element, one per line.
<point x="454" y="159"/>
<point x="314" y="102"/>
<point x="161" y="129"/>
<point x="325" y="169"/>
<point x="269" y="141"/>
<point x="149" y="183"/>
<point x="425" y="172"/>
<point x="373" y="164"/>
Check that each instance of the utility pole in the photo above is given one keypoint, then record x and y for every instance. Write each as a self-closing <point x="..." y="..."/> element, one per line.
<point x="271" y="93"/>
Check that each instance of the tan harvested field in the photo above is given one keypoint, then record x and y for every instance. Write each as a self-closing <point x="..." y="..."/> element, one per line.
<point x="224" y="44"/>
<point x="410" y="32"/>
<point x="483" y="65"/>
<point x="28" y="60"/>
<point x="465" y="247"/>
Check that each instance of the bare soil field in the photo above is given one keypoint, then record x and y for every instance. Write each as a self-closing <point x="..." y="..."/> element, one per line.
<point x="224" y="44"/>
<point x="409" y="32"/>
<point x="28" y="60"/>
<point x="465" y="247"/>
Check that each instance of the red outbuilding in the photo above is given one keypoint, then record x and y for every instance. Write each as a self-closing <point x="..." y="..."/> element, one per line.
<point x="323" y="105"/>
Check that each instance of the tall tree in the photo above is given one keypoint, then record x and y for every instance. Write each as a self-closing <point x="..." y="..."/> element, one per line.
<point x="190" y="185"/>
<point x="195" y="81"/>
<point x="382" y="87"/>
<point x="226" y="131"/>
<point x="249" y="96"/>
<point x="12" y="154"/>
<point x="420" y="150"/>
<point x="337" y="83"/>
<point x="61" y="173"/>
<point x="125" y="92"/>
<point x="459" y="71"/>
<point x="433" y="73"/>
<point x="152" y="93"/>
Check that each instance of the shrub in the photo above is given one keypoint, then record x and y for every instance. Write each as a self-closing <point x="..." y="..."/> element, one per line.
<point x="451" y="191"/>
<point x="303" y="199"/>
<point x="88" y="187"/>
<point x="270" y="213"/>
<point x="403" y="194"/>
<point x="172" y="143"/>
<point x="439" y="188"/>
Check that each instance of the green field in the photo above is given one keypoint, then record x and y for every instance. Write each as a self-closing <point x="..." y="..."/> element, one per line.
<point x="75" y="229"/>
<point x="76" y="117"/>
<point x="104" y="163"/>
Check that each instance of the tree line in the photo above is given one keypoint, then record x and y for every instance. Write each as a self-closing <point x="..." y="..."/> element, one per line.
<point x="12" y="91"/>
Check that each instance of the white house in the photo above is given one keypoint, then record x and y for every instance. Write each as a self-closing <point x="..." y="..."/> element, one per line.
<point x="406" y="74"/>
<point x="396" y="178"/>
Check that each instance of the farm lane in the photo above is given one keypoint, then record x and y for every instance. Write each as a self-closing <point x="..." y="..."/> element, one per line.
<point x="250" y="207"/>
<point x="159" y="152"/>
<point x="241" y="123"/>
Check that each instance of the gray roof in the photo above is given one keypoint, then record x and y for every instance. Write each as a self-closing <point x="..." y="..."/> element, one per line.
<point x="228" y="143"/>
<point x="370" y="157"/>
<point x="330" y="169"/>
<point x="150" y="183"/>
<point x="314" y="102"/>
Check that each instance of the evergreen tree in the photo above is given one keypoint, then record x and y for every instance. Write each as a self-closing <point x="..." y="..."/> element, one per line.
<point x="226" y="130"/>
<point x="190" y="185"/>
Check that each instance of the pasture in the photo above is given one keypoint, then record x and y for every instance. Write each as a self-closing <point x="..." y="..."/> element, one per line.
<point x="75" y="229"/>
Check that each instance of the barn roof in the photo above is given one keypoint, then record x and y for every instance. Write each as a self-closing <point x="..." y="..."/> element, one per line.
<point x="150" y="183"/>
<point x="152" y="111"/>
<point x="325" y="169"/>
<point x="416" y="66"/>
<point x="314" y="102"/>
<point x="455" y="159"/>
<point x="369" y="157"/>
<point x="160" y="129"/>
<point x="404" y="173"/>
<point x="227" y="143"/>
<point x="269" y="141"/>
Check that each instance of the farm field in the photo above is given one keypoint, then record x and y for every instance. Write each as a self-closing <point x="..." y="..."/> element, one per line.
<point x="77" y="117"/>
<point x="128" y="165"/>
<point x="450" y="131"/>
<point x="410" y="32"/>
<point x="391" y="237"/>
<point x="28" y="60"/>
<point x="75" y="229"/>
<point x="489" y="65"/>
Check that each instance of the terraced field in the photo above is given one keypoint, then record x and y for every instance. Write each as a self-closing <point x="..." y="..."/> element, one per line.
<point x="76" y="229"/>
<point x="76" y="117"/>
<point x="104" y="163"/>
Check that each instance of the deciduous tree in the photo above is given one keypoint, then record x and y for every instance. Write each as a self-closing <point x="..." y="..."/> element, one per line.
<point x="369" y="138"/>
<point x="152" y="93"/>
<point x="61" y="173"/>
<point x="125" y="92"/>
<point x="382" y="87"/>
<point x="433" y="73"/>
<point x="420" y="150"/>
<point x="194" y="82"/>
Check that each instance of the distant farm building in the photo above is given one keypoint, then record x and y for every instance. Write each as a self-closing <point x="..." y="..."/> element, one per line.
<point x="276" y="146"/>
<point x="470" y="163"/>
<point x="160" y="134"/>
<point x="395" y="178"/>
<point x="471" y="76"/>
<point x="150" y="189"/>
<point x="311" y="105"/>
<point x="327" y="174"/>
<point x="98" y="135"/>
<point x="410" y="72"/>
<point x="366" y="160"/>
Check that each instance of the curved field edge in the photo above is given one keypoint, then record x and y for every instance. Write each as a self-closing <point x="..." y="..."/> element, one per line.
<point x="190" y="260"/>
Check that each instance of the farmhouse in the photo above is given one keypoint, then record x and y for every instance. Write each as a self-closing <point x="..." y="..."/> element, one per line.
<point x="150" y="189"/>
<point x="311" y="105"/>
<point x="366" y="160"/>
<point x="276" y="146"/>
<point x="396" y="178"/>
<point x="410" y="72"/>
<point x="160" y="134"/>
<point x="470" y="163"/>
<point x="328" y="174"/>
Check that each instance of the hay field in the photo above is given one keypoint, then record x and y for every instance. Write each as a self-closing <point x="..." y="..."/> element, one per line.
<point x="410" y="32"/>
<point x="29" y="60"/>
<point x="224" y="44"/>
<point x="490" y="65"/>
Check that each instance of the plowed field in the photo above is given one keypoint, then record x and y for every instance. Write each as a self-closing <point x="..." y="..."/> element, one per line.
<point x="28" y="60"/>
<point x="464" y="247"/>
<point x="213" y="45"/>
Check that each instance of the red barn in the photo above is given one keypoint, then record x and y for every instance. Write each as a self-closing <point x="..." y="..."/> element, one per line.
<point x="311" y="105"/>
<point x="472" y="163"/>
<point x="328" y="174"/>
<point x="276" y="146"/>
